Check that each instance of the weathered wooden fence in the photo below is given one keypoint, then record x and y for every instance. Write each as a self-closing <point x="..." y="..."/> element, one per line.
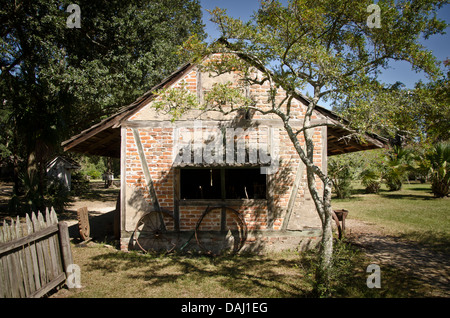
<point x="34" y="255"/>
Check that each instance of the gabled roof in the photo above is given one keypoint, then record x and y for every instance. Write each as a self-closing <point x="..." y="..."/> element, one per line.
<point x="67" y="162"/>
<point x="103" y="139"/>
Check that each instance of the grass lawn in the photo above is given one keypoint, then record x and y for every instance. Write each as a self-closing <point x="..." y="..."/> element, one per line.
<point x="108" y="273"/>
<point x="412" y="213"/>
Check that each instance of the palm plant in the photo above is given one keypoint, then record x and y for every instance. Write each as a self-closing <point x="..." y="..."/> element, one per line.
<point x="438" y="162"/>
<point x="371" y="179"/>
<point x="339" y="170"/>
<point x="397" y="167"/>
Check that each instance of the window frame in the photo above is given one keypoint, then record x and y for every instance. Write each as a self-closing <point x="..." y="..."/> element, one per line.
<point x="223" y="199"/>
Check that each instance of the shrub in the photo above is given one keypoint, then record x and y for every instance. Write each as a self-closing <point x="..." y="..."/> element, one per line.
<point x="57" y="195"/>
<point x="344" y="276"/>
<point x="397" y="167"/>
<point x="80" y="184"/>
<point x="371" y="179"/>
<point x="341" y="176"/>
<point x="438" y="162"/>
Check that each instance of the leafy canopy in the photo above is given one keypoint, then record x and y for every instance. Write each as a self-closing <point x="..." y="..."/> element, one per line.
<point x="57" y="80"/>
<point x="328" y="47"/>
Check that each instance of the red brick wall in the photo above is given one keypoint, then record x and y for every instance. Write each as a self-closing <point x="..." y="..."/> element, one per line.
<point x="158" y="146"/>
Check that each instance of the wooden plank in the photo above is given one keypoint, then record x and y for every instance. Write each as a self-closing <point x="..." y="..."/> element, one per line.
<point x="144" y="164"/>
<point x="31" y="265"/>
<point x="293" y="195"/>
<point x="176" y="202"/>
<point x="36" y="236"/>
<point x="12" y="272"/>
<point x="39" y="251"/>
<point x="24" y="288"/>
<point x="46" y="250"/>
<point x="33" y="255"/>
<point x="324" y="135"/>
<point x="53" y="256"/>
<point x="3" y="286"/>
<point x="29" y="268"/>
<point x="53" y="246"/>
<point x="6" y="279"/>
<point x="3" y="270"/>
<point x="123" y="178"/>
<point x="49" y="286"/>
<point x="54" y="221"/>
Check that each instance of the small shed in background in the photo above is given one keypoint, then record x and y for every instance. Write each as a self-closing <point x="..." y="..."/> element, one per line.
<point x="61" y="168"/>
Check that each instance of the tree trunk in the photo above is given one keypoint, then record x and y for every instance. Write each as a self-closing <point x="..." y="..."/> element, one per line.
<point x="327" y="238"/>
<point x="321" y="202"/>
<point x="326" y="246"/>
<point x="323" y="207"/>
<point x="36" y="181"/>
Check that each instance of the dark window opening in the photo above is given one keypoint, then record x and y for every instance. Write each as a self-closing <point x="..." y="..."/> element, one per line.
<point x="245" y="184"/>
<point x="222" y="183"/>
<point x="200" y="184"/>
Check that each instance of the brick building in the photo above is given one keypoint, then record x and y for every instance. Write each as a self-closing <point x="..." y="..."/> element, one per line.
<point x="240" y="167"/>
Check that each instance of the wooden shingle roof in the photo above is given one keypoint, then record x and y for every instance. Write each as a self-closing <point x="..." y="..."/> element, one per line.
<point x="103" y="139"/>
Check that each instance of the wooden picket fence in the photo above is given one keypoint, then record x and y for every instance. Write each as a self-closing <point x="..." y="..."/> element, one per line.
<point x="34" y="255"/>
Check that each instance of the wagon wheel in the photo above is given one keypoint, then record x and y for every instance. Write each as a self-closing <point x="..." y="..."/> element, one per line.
<point x="155" y="232"/>
<point x="340" y="215"/>
<point x="221" y="230"/>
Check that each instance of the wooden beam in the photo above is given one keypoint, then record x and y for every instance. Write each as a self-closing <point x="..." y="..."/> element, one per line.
<point x="293" y="195"/>
<point x="144" y="164"/>
<point x="112" y="135"/>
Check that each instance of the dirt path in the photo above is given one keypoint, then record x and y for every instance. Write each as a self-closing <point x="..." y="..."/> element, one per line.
<point x="101" y="204"/>
<point x="101" y="209"/>
<point x="430" y="267"/>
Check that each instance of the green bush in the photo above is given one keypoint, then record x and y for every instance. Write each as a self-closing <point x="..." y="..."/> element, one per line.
<point x="339" y="171"/>
<point x="80" y="184"/>
<point x="92" y="166"/>
<point x="57" y="195"/>
<point x="344" y="278"/>
<point x="398" y="165"/>
<point x="371" y="179"/>
<point x="438" y="161"/>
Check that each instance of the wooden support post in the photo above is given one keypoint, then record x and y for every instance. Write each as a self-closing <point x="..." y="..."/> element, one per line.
<point x="144" y="164"/>
<point x="64" y="243"/>
<point x="292" y="197"/>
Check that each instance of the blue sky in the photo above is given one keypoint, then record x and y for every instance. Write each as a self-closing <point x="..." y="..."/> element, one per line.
<point x="399" y="71"/>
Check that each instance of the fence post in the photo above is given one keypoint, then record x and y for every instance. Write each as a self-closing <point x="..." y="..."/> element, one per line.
<point x="64" y="241"/>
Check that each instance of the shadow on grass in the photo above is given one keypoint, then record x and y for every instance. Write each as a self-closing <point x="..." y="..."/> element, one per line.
<point x="100" y="194"/>
<point x="350" y="199"/>
<point x="433" y="240"/>
<point x="402" y="196"/>
<point x="426" y="189"/>
<point x="248" y="275"/>
<point x="255" y="276"/>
